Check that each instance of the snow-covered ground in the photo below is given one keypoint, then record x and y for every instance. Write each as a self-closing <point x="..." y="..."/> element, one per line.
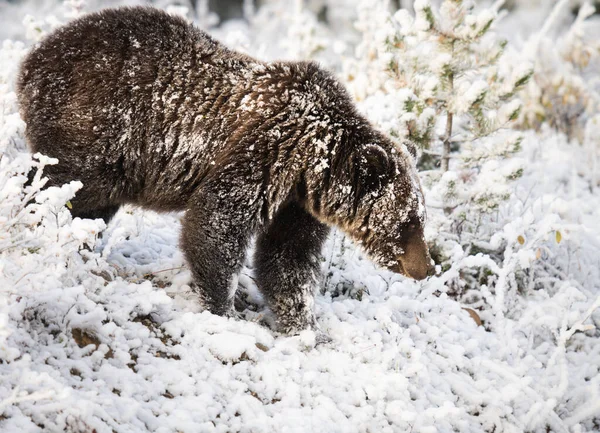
<point x="105" y="335"/>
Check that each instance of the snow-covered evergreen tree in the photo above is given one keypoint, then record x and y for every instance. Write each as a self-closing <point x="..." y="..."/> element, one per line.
<point x="450" y="60"/>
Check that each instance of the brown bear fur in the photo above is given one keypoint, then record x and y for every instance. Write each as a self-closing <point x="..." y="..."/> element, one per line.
<point x="144" y="108"/>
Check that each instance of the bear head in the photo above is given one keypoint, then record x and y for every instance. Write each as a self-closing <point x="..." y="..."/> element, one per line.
<point x="373" y="193"/>
<point x="357" y="178"/>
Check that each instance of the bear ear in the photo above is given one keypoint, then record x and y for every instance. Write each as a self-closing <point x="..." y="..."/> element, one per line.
<point x="375" y="168"/>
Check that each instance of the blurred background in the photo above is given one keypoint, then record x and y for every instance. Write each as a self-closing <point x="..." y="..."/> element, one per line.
<point x="335" y="14"/>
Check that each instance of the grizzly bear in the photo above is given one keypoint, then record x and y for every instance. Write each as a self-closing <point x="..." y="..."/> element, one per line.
<point x="144" y="108"/>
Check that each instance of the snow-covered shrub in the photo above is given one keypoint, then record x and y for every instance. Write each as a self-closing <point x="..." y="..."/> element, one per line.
<point x="565" y="90"/>
<point x="51" y="282"/>
<point x="39" y="246"/>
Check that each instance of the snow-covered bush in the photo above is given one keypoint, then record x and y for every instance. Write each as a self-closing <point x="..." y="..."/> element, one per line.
<point x="565" y="90"/>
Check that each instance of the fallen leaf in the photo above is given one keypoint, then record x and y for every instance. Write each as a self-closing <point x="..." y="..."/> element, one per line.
<point x="473" y="315"/>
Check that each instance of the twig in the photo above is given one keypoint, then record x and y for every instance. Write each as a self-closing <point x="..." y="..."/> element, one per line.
<point x="448" y="135"/>
<point x="579" y="326"/>
<point x="164" y="270"/>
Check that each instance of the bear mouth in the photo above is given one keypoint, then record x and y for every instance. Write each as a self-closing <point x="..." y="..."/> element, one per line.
<point x="399" y="268"/>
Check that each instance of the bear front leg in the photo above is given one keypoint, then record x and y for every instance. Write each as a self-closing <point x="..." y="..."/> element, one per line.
<point x="215" y="233"/>
<point x="287" y="263"/>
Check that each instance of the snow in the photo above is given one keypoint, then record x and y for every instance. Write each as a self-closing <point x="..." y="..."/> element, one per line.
<point x="105" y="334"/>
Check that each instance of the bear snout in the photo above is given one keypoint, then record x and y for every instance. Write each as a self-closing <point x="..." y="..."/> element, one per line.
<point x="416" y="262"/>
<point x="416" y="271"/>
